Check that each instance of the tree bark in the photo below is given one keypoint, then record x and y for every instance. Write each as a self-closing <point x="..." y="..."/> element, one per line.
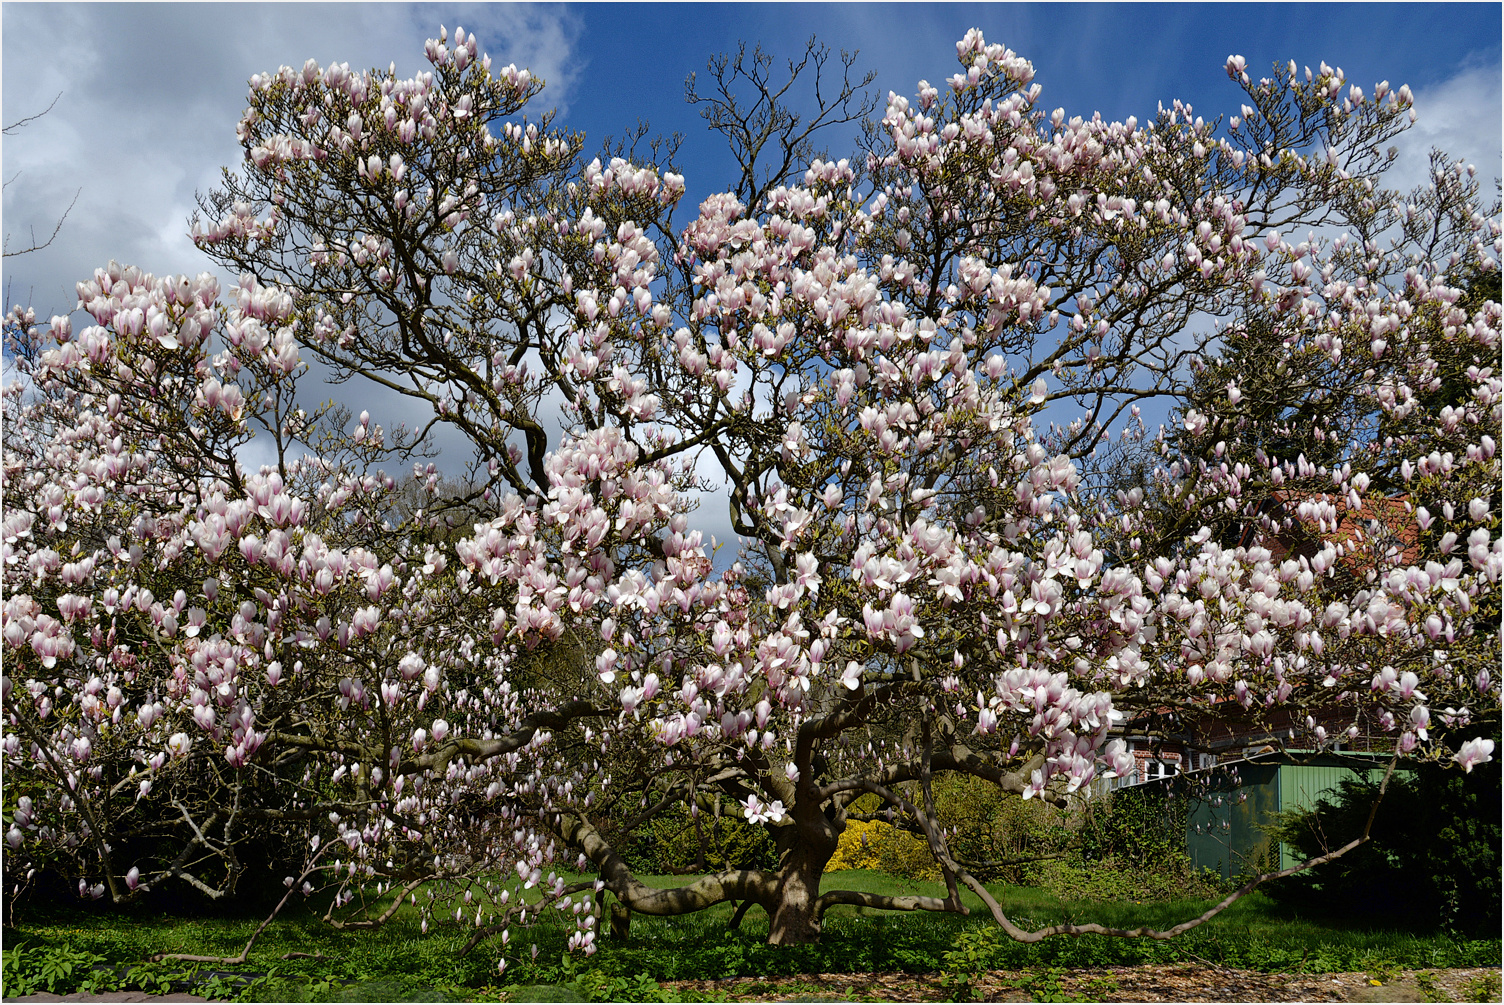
<point x="621" y="921"/>
<point x="795" y="918"/>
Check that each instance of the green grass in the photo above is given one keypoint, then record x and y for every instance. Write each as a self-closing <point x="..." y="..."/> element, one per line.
<point x="1256" y="933"/>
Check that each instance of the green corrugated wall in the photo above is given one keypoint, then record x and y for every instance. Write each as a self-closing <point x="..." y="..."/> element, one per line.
<point x="1301" y="785"/>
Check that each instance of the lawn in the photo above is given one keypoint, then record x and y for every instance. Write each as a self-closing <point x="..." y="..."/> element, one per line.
<point x="1255" y="934"/>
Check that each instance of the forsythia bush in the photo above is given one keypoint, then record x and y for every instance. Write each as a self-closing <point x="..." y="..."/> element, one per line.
<point x="730" y="843"/>
<point x="878" y="845"/>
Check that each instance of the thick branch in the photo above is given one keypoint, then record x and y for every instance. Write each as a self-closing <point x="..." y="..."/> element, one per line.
<point x="882" y="902"/>
<point x="707" y="891"/>
<point x="438" y="759"/>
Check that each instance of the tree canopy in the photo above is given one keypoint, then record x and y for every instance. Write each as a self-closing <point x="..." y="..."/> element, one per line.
<point x="460" y="693"/>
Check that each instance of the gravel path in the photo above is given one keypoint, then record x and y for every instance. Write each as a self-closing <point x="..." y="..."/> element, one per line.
<point x="1163" y="983"/>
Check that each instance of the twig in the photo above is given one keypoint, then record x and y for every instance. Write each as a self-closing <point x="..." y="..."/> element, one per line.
<point x="19" y="123"/>
<point x="245" y="952"/>
<point x="52" y="237"/>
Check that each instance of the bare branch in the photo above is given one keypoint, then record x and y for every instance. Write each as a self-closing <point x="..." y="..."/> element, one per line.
<point x="1022" y="935"/>
<point x="309" y="867"/>
<point x="39" y="245"/>
<point x="20" y="124"/>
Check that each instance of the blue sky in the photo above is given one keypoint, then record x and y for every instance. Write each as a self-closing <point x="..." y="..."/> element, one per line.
<point x="149" y="94"/>
<point x="1119" y="59"/>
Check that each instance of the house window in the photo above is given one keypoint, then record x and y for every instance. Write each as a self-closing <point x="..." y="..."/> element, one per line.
<point x="1152" y="768"/>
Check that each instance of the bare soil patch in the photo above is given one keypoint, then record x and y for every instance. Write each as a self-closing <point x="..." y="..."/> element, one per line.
<point x="1159" y="983"/>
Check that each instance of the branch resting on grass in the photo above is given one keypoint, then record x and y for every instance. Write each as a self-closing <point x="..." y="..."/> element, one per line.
<point x="1020" y="935"/>
<point x="705" y="892"/>
<point x="883" y="902"/>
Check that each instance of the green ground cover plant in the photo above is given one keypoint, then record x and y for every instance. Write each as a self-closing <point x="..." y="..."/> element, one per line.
<point x="1482" y="989"/>
<point x="965" y="964"/>
<point x="55" y="969"/>
<point x="400" y="962"/>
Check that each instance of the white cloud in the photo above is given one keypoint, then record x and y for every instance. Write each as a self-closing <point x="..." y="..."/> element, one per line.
<point x="1460" y="116"/>
<point x="148" y="97"/>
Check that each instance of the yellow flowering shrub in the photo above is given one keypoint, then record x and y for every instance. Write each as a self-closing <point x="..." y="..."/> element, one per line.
<point x="881" y="846"/>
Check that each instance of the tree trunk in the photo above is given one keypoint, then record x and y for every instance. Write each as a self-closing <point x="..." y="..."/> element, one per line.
<point x="794" y="919"/>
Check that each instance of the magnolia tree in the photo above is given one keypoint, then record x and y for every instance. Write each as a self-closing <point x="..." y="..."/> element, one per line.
<point x="451" y="698"/>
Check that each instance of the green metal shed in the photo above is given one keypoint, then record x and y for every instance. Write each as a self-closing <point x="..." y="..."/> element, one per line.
<point x="1228" y="827"/>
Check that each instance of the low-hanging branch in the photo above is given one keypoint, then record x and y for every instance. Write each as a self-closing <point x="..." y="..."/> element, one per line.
<point x="1092" y="928"/>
